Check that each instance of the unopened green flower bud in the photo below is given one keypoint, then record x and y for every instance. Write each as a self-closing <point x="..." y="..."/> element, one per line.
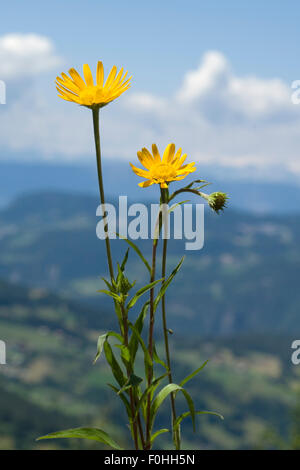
<point x="217" y="201"/>
<point x="125" y="285"/>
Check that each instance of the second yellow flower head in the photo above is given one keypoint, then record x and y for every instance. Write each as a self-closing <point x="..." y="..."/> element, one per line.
<point x="162" y="170"/>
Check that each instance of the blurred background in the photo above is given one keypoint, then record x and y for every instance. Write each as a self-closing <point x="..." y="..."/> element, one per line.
<point x="215" y="78"/>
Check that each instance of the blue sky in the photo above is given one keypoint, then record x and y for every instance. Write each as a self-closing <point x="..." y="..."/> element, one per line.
<point x="159" y="40"/>
<point x="214" y="75"/>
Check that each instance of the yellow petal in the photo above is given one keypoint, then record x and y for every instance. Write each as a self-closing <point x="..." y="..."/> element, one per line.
<point x="88" y="75"/>
<point x="118" y="77"/>
<point x="144" y="160"/>
<point x="64" y="97"/>
<point x="123" y="84"/>
<point x="168" y="153"/>
<point x="182" y="159"/>
<point x="124" y="76"/>
<point x="100" y="74"/>
<point x="145" y="184"/>
<point x="118" y="93"/>
<point x="188" y="166"/>
<point x="139" y="172"/>
<point x="178" y="153"/>
<point x="68" y="84"/>
<point x="111" y="77"/>
<point x="68" y="94"/>
<point x="178" y="178"/>
<point x="177" y="157"/>
<point x="147" y="156"/>
<point x="77" y="78"/>
<point x="69" y="80"/>
<point x="118" y="85"/>
<point x="156" y="155"/>
<point x="63" y="88"/>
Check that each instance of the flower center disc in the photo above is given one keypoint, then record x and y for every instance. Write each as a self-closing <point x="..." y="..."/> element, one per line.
<point x="163" y="172"/>
<point x="91" y="95"/>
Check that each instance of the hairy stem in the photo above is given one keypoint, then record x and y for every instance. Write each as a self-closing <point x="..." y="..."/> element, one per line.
<point x="150" y="343"/>
<point x="131" y="395"/>
<point x="165" y="200"/>
<point x="101" y="186"/>
<point x="109" y="257"/>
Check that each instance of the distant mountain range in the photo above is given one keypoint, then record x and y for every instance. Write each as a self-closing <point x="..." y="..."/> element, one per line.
<point x="235" y="302"/>
<point x="49" y="381"/>
<point x="250" y="193"/>
<point x="245" y="279"/>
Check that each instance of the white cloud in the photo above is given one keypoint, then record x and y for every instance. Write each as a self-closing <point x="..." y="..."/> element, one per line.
<point x="221" y="118"/>
<point x="31" y="124"/>
<point x="212" y="74"/>
<point x="218" y="117"/>
<point x="26" y="55"/>
<point x="145" y="102"/>
<point x="214" y="84"/>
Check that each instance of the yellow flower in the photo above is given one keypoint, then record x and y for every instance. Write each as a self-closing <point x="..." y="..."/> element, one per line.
<point x="162" y="171"/>
<point x="86" y="93"/>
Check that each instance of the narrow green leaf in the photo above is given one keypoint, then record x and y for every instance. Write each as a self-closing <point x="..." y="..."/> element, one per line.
<point x="119" y="314"/>
<point x="133" y="381"/>
<point x="162" y="395"/>
<point x="110" y="294"/>
<point x="172" y="208"/>
<point x="166" y="284"/>
<point x="125" y="355"/>
<point x="115" y="367"/>
<point x="158" y="433"/>
<point x="100" y="344"/>
<point x="159" y="399"/>
<point x="195" y="181"/>
<point x="147" y="358"/>
<point x="149" y="390"/>
<point x="157" y="358"/>
<point x="93" y="434"/>
<point x="142" y="291"/>
<point x="123" y="398"/>
<point x="189" y="377"/>
<point x="191" y="407"/>
<point x="110" y="287"/>
<point x="134" y="342"/>
<point x="125" y="260"/>
<point x="137" y="250"/>
<point x="188" y="413"/>
<point x="120" y="274"/>
<point x="187" y="188"/>
<point x="202" y="186"/>
<point x="102" y="339"/>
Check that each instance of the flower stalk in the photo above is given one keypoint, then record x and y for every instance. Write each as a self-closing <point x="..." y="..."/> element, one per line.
<point x="101" y="185"/>
<point x="129" y="371"/>
<point x="176" y="433"/>
<point x="150" y="342"/>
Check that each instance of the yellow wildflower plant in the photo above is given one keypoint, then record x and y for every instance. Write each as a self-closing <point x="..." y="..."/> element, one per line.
<point x="86" y="93"/>
<point x="162" y="170"/>
<point x="137" y="392"/>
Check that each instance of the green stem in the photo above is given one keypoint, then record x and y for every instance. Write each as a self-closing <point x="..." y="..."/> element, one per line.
<point x="150" y="344"/>
<point x="165" y="200"/>
<point x="110" y="263"/>
<point x="101" y="186"/>
<point x="131" y="395"/>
